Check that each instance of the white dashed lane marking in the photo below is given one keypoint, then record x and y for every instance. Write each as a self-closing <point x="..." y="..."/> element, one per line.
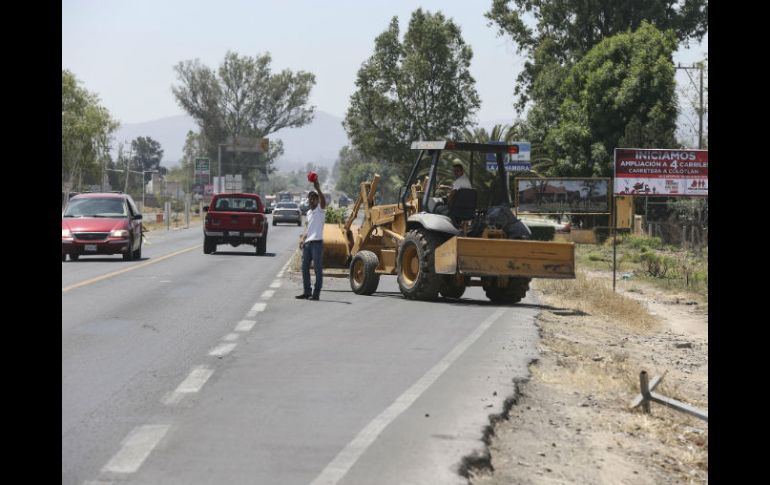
<point x="245" y="325"/>
<point x="268" y="294"/>
<point x="136" y="448"/>
<point x="258" y="307"/>
<point x="231" y="337"/>
<point x="275" y="284"/>
<point x="222" y="350"/>
<point x="195" y="381"/>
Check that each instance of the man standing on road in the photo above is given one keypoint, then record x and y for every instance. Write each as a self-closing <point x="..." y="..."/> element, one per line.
<point x="312" y="243"/>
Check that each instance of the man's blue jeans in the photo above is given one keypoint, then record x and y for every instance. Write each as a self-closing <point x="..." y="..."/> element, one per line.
<point x="312" y="250"/>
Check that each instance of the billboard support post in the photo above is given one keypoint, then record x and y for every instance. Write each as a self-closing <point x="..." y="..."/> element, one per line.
<point x="614" y="248"/>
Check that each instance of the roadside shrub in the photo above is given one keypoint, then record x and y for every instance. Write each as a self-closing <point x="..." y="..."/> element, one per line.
<point x="656" y="265"/>
<point x="643" y="243"/>
<point x="334" y="216"/>
<point x="602" y="234"/>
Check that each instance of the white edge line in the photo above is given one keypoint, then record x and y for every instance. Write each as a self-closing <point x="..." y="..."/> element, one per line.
<point x="346" y="458"/>
<point x="137" y="446"/>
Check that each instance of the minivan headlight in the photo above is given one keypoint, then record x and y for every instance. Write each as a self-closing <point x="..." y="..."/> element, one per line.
<point x="66" y="233"/>
<point x="119" y="233"/>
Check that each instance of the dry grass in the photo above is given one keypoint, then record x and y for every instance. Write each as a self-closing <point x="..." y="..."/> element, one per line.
<point x="594" y="296"/>
<point x="577" y="346"/>
<point x="296" y="261"/>
<point x="150" y="226"/>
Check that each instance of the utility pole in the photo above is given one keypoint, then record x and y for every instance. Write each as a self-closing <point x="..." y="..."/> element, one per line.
<point x="128" y="173"/>
<point x="701" y="111"/>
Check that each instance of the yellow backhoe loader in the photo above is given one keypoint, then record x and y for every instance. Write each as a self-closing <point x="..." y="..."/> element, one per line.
<point x="435" y="246"/>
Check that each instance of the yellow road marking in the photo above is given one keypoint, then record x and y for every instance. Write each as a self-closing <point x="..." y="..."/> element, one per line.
<point x="115" y="273"/>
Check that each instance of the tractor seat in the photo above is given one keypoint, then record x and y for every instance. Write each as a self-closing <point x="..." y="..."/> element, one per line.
<point x="463" y="205"/>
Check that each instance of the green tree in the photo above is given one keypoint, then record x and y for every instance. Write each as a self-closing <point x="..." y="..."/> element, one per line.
<point x="243" y="98"/>
<point x="416" y="89"/>
<point x="147" y="155"/>
<point x="621" y="93"/>
<point x="354" y="167"/>
<point x="567" y="29"/>
<point x="86" y="130"/>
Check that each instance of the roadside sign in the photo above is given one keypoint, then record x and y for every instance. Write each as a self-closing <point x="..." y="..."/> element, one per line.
<point x="510" y="167"/>
<point x="514" y="162"/>
<point x="563" y="195"/>
<point x="661" y="172"/>
<point x="247" y="144"/>
<point x="202" y="171"/>
<point x="202" y="165"/>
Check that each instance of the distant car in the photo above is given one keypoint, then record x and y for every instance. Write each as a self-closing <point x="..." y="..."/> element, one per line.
<point x="304" y="205"/>
<point x="287" y="212"/>
<point x="235" y="219"/>
<point x="101" y="223"/>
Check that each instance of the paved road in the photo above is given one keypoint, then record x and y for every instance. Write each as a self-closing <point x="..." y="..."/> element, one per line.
<point x="192" y="368"/>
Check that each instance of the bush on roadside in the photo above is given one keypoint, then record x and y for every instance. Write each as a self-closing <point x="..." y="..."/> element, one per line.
<point x="642" y="243"/>
<point x="335" y="215"/>
<point x="656" y="265"/>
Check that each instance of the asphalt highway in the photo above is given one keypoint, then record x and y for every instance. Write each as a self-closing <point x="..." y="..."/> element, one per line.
<point x="185" y="368"/>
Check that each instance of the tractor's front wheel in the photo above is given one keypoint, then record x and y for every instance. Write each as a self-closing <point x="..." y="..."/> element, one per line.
<point x="514" y="292"/>
<point x="363" y="276"/>
<point x="453" y="286"/>
<point x="417" y="279"/>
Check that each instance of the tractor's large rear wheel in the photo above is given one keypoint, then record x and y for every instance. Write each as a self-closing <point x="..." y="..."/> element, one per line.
<point x="514" y="292"/>
<point x="417" y="279"/>
<point x="363" y="276"/>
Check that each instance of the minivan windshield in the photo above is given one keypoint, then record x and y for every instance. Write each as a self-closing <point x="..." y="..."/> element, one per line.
<point x="95" y="207"/>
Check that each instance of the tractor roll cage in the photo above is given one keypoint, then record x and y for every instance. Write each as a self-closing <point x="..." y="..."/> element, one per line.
<point x="434" y="149"/>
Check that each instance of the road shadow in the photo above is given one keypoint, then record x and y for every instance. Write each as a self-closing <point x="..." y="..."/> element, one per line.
<point x="243" y="253"/>
<point x="118" y="259"/>
<point x="324" y="300"/>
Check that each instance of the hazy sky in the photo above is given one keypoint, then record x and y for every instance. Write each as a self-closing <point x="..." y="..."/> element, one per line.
<point x="125" y="51"/>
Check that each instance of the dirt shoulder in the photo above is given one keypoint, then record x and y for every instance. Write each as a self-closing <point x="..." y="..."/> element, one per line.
<point x="572" y="422"/>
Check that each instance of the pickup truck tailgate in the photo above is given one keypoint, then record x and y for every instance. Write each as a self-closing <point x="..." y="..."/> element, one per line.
<point x="236" y="221"/>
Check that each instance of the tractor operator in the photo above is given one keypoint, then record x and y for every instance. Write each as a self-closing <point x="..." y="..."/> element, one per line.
<point x="461" y="182"/>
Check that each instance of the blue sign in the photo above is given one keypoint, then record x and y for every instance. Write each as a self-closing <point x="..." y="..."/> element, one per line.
<point x="511" y="166"/>
<point x="525" y="150"/>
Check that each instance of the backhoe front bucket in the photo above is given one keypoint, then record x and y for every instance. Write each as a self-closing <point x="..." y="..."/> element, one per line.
<point x="336" y="249"/>
<point x="505" y="257"/>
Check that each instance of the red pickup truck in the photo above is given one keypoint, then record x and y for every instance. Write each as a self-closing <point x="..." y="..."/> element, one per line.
<point x="235" y="219"/>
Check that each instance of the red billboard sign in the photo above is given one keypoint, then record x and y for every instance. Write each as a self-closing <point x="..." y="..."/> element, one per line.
<point x="642" y="171"/>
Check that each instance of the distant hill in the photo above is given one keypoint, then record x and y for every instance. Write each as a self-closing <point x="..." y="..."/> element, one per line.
<point x="318" y="142"/>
